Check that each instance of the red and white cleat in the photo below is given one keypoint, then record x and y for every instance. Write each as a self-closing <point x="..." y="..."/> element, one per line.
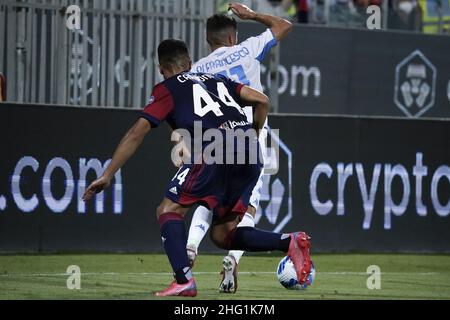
<point x="299" y="254"/>
<point x="188" y="289"/>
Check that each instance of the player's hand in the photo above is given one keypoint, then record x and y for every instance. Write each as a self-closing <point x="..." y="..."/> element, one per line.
<point x="95" y="187"/>
<point x="242" y="11"/>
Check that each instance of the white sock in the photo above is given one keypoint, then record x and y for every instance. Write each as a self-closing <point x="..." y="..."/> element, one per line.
<point x="247" y="221"/>
<point x="201" y="221"/>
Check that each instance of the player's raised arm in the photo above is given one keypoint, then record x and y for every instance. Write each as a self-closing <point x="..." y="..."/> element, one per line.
<point x="280" y="27"/>
<point x="126" y="148"/>
<point x="260" y="103"/>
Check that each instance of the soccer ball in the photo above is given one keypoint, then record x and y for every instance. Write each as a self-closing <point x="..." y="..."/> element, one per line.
<point x="288" y="277"/>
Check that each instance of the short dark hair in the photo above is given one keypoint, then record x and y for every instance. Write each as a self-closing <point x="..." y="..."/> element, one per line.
<point x="218" y="27"/>
<point x="173" y="52"/>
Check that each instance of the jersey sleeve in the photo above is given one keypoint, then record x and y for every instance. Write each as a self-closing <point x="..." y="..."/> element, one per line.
<point x="159" y="107"/>
<point x="260" y="45"/>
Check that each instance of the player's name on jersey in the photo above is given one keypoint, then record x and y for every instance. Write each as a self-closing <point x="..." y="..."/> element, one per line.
<point x="191" y="76"/>
<point x="223" y="61"/>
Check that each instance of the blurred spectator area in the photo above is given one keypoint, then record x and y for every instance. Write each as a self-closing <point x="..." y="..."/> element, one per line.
<point x="281" y="8"/>
<point x="434" y="16"/>
<point x="428" y="16"/>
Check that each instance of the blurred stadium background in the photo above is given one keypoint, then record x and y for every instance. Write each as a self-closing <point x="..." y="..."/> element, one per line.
<point x="364" y="119"/>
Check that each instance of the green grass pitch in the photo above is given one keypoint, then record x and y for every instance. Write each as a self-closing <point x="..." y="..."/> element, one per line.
<point x="137" y="276"/>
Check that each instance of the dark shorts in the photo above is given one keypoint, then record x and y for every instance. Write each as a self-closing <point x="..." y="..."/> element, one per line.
<point x="226" y="189"/>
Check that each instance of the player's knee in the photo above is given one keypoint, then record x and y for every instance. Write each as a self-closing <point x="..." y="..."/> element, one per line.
<point x="220" y="238"/>
<point x="165" y="207"/>
<point x="168" y="206"/>
<point x="159" y="210"/>
<point x="220" y="242"/>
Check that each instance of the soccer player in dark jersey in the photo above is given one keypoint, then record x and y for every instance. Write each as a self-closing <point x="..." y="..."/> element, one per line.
<point x="214" y="101"/>
<point x="241" y="62"/>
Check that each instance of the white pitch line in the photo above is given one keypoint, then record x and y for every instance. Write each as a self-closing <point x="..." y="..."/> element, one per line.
<point x="203" y="273"/>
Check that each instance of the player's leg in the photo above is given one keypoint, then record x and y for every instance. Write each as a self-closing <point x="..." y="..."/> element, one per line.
<point x="201" y="221"/>
<point x="247" y="238"/>
<point x="225" y="234"/>
<point x="205" y="183"/>
<point x="173" y="234"/>
<point x="249" y="219"/>
<point x="296" y="245"/>
<point x="179" y="197"/>
<point x="231" y="261"/>
<point x="195" y="183"/>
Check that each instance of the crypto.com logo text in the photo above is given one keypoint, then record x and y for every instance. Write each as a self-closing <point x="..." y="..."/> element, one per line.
<point x="34" y="183"/>
<point x="381" y="176"/>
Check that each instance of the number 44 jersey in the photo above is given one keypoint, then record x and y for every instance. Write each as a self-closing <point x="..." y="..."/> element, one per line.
<point x="210" y="100"/>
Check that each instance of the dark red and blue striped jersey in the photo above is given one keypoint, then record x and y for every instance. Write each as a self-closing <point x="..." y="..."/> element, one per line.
<point x="188" y="97"/>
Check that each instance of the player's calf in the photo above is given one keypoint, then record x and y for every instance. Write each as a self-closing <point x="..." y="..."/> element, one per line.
<point x="173" y="235"/>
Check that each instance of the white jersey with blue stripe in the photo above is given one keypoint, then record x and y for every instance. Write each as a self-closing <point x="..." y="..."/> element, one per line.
<point x="242" y="62"/>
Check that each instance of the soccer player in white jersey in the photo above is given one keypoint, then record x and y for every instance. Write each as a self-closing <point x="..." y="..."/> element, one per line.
<point x="240" y="62"/>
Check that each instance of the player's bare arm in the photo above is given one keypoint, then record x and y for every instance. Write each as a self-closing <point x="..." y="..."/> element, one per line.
<point x="126" y="148"/>
<point x="260" y="103"/>
<point x="280" y="27"/>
